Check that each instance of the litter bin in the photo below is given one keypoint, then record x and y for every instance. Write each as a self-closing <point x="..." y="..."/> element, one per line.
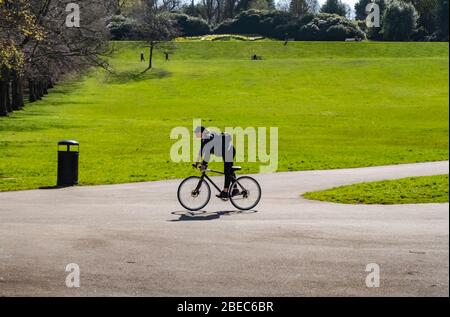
<point x="68" y="152"/>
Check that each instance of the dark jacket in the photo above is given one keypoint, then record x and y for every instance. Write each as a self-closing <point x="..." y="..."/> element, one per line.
<point x="218" y="144"/>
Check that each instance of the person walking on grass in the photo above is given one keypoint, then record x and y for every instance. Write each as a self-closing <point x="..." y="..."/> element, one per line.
<point x="221" y="145"/>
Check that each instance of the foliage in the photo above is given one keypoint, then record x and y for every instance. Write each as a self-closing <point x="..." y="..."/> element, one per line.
<point x="122" y="28"/>
<point x="399" y="21"/>
<point x="191" y="26"/>
<point x="329" y="27"/>
<point x="335" y="7"/>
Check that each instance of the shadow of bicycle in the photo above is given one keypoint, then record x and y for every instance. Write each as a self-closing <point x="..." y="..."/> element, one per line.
<point x="203" y="215"/>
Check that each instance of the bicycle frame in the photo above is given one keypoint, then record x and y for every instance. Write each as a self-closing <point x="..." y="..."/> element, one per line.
<point x="204" y="176"/>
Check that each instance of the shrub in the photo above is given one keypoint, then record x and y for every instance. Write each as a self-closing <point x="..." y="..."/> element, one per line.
<point x="273" y="24"/>
<point x="329" y="27"/>
<point x="191" y="26"/>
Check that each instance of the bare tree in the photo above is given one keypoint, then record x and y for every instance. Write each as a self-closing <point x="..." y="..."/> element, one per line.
<point x="155" y="25"/>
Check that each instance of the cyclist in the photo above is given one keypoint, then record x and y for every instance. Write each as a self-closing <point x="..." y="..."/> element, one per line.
<point x="218" y="144"/>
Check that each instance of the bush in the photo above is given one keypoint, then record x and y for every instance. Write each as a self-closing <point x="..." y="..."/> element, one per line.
<point x="282" y="25"/>
<point x="273" y="24"/>
<point x="191" y="26"/>
<point x="329" y="27"/>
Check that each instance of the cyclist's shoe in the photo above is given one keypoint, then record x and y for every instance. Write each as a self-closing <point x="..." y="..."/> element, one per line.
<point x="223" y="195"/>
<point x="235" y="192"/>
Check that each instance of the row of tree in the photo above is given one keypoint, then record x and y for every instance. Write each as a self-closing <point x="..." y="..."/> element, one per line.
<point x="403" y="20"/>
<point x="38" y="47"/>
<point x="419" y="20"/>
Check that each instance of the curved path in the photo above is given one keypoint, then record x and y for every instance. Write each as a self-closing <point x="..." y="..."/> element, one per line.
<point x="134" y="239"/>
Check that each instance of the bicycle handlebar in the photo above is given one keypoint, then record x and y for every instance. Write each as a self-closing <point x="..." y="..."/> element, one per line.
<point x="206" y="170"/>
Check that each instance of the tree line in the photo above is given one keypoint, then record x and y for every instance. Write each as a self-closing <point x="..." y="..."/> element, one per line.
<point x="37" y="49"/>
<point x="401" y="20"/>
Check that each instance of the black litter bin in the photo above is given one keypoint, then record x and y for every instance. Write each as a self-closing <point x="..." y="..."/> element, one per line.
<point x="68" y="152"/>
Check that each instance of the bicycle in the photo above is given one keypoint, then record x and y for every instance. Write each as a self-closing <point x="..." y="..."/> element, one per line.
<point x="194" y="193"/>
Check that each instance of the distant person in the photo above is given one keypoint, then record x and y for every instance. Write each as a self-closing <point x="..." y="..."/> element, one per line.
<point x="167" y="56"/>
<point x="218" y="144"/>
<point x="142" y="57"/>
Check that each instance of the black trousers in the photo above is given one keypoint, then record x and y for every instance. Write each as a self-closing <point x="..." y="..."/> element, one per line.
<point x="228" y="170"/>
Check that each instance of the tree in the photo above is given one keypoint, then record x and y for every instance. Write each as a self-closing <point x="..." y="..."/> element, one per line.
<point x="229" y="9"/>
<point x="156" y="27"/>
<point x="37" y="48"/>
<point x="399" y="21"/>
<point x="335" y="7"/>
<point x="299" y="8"/>
<point x="314" y="6"/>
<point x="17" y="25"/>
<point x="244" y="5"/>
<point x="442" y="19"/>
<point x="426" y="10"/>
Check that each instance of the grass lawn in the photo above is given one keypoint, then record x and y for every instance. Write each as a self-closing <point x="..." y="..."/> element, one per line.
<point x="336" y="105"/>
<point x="411" y="190"/>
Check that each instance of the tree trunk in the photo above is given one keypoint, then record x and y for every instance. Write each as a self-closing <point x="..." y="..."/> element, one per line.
<point x="16" y="92"/>
<point x="3" y="108"/>
<point x="7" y="93"/>
<point x="20" y="97"/>
<point x="45" y="87"/>
<point x="38" y="90"/>
<point x="150" y="60"/>
<point x="31" y="91"/>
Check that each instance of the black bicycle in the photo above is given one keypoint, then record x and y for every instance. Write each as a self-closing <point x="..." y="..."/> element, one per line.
<point x="194" y="193"/>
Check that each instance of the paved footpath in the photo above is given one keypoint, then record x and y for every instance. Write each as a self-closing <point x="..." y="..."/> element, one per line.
<point x="135" y="240"/>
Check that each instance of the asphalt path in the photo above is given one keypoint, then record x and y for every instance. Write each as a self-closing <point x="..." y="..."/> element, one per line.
<point x="136" y="240"/>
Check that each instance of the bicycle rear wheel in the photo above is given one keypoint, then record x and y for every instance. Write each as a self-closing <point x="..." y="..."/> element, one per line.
<point x="249" y="193"/>
<point x="194" y="193"/>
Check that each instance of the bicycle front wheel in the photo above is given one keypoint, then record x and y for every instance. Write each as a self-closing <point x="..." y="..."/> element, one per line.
<point x="194" y="193"/>
<point x="249" y="193"/>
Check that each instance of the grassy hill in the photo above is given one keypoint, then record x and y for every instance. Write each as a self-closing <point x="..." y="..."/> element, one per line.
<point x="336" y="105"/>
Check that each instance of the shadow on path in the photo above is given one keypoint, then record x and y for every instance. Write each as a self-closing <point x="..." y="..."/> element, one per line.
<point x="205" y="215"/>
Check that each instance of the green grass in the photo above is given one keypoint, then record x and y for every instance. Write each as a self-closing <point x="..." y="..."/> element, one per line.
<point x="336" y="105"/>
<point x="412" y="190"/>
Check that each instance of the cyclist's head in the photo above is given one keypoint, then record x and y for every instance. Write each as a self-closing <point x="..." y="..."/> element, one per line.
<point x="199" y="131"/>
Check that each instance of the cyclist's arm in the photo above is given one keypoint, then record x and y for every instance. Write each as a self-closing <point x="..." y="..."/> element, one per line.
<point x="205" y="160"/>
